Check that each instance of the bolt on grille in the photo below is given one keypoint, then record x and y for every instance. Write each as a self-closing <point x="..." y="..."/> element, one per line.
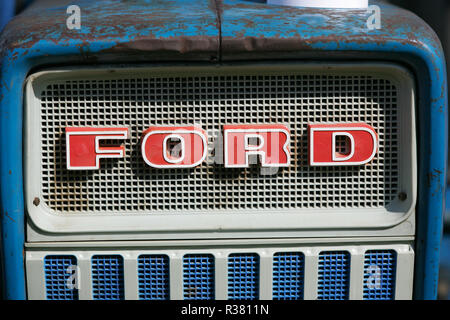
<point x="213" y="100"/>
<point x="59" y="281"/>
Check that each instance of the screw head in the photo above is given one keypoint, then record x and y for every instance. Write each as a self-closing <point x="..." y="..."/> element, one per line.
<point x="402" y="196"/>
<point x="36" y="201"/>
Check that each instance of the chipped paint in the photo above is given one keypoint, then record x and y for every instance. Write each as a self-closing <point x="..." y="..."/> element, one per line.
<point x="218" y="31"/>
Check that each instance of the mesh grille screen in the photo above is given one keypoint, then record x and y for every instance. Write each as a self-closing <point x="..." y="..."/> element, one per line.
<point x="198" y="277"/>
<point x="107" y="278"/>
<point x="334" y="275"/>
<point x="225" y="275"/>
<point x="243" y="276"/>
<point x="58" y="277"/>
<point x="153" y="274"/>
<point x="129" y="185"/>
<point x="288" y="276"/>
<point x="379" y="275"/>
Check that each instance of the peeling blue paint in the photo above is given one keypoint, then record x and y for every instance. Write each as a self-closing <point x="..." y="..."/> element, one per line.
<point x="119" y="31"/>
<point x="251" y="30"/>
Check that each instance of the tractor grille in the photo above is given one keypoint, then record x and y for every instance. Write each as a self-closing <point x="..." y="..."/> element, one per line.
<point x="213" y="99"/>
<point x="334" y="273"/>
<point x="243" y="276"/>
<point x="198" y="273"/>
<point x="57" y="277"/>
<point x="379" y="276"/>
<point x="153" y="273"/>
<point x="288" y="276"/>
<point x="107" y="277"/>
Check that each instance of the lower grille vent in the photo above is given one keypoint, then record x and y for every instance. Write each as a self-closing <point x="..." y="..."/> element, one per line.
<point x="107" y="277"/>
<point x="153" y="274"/>
<point x="58" y="281"/>
<point x="379" y="275"/>
<point x="198" y="271"/>
<point x="288" y="276"/>
<point x="334" y="275"/>
<point x="324" y="273"/>
<point x="243" y="276"/>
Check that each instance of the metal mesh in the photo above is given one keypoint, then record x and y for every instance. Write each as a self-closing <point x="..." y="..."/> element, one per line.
<point x="58" y="277"/>
<point x="153" y="274"/>
<point x="379" y="274"/>
<point x="198" y="277"/>
<point x="288" y="276"/>
<point x="107" y="277"/>
<point x="243" y="276"/>
<point x="334" y="275"/>
<point x="240" y="278"/>
<point x="129" y="185"/>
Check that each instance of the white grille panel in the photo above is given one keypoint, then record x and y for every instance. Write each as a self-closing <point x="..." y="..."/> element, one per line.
<point x="213" y="99"/>
<point x="220" y="273"/>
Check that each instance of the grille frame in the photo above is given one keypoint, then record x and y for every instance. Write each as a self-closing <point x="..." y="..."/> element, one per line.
<point x="398" y="211"/>
<point x="221" y="252"/>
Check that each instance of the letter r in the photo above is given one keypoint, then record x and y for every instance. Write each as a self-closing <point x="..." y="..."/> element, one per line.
<point x="269" y="142"/>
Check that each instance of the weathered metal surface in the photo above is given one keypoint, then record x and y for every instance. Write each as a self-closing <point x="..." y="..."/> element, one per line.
<point x="138" y="27"/>
<point x="111" y="31"/>
<point x="120" y="31"/>
<point x="6" y="12"/>
<point x="251" y="29"/>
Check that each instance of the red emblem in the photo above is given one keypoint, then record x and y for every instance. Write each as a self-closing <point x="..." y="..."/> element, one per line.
<point x="341" y="144"/>
<point x="186" y="146"/>
<point x="269" y="142"/>
<point x="83" y="146"/>
<point x="174" y="147"/>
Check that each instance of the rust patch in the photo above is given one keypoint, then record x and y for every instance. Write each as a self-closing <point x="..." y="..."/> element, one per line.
<point x="181" y="45"/>
<point x="8" y="216"/>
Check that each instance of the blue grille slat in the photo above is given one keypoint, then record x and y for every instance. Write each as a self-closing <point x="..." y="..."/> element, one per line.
<point x="379" y="274"/>
<point x="334" y="275"/>
<point x="243" y="276"/>
<point x="198" y="277"/>
<point x="107" y="277"/>
<point x="57" y="277"/>
<point x="153" y="275"/>
<point x="288" y="276"/>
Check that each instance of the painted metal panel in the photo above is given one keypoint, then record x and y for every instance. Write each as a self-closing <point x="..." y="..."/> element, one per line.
<point x="249" y="272"/>
<point x="6" y="12"/>
<point x="201" y="30"/>
<point x="119" y="31"/>
<point x="252" y="30"/>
